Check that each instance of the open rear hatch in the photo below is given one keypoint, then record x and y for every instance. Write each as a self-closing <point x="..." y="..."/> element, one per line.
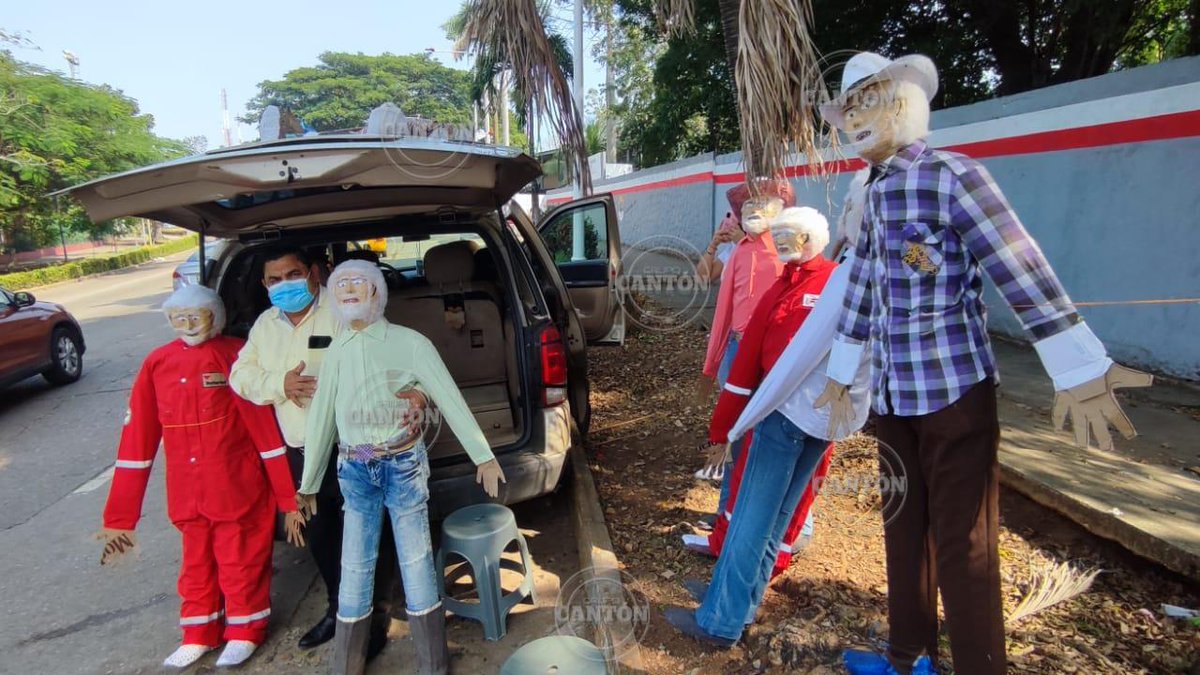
<point x="307" y="181"/>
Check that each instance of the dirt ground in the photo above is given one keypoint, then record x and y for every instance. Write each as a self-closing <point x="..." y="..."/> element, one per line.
<point x="642" y="449"/>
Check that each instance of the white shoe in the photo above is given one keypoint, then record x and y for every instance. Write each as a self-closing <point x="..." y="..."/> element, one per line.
<point x="235" y="653"/>
<point x="186" y="655"/>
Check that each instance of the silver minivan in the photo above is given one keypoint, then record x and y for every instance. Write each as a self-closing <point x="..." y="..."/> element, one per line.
<point x="438" y="218"/>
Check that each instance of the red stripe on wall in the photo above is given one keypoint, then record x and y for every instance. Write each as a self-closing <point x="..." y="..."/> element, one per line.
<point x="1157" y="128"/>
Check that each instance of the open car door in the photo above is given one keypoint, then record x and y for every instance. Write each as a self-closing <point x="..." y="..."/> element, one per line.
<point x="585" y="241"/>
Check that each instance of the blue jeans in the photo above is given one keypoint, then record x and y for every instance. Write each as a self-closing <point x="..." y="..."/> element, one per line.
<point x="401" y="484"/>
<point x="723" y="375"/>
<point x="781" y="463"/>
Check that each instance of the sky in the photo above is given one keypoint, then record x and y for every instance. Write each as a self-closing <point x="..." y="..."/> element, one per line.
<point x="175" y="57"/>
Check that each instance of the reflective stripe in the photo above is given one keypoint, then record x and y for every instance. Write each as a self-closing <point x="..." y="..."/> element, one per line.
<point x="728" y="515"/>
<point x="737" y="390"/>
<point x="273" y="453"/>
<point x="784" y="548"/>
<point x="235" y="620"/>
<point x="134" y="464"/>
<point x="198" y="620"/>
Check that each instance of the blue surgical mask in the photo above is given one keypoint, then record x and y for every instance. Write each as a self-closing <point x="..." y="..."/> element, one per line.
<point x="290" y="296"/>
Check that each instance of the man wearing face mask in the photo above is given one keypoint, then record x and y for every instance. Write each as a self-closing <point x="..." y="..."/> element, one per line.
<point x="226" y="473"/>
<point x="280" y="366"/>
<point x="782" y="456"/>
<point x="934" y="222"/>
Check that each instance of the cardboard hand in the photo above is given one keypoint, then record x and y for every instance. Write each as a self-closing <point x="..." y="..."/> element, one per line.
<point x="1092" y="406"/>
<point x="841" y="410"/>
<point x="490" y="476"/>
<point x="307" y="505"/>
<point x="717" y="455"/>
<point x="293" y="525"/>
<point x="116" y="544"/>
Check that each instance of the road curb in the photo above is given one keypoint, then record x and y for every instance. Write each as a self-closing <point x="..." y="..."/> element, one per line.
<point x="597" y="558"/>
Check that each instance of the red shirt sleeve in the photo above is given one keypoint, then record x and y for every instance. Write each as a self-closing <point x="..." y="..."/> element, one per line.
<point x="747" y="372"/>
<point x="264" y="432"/>
<point x="140" y="438"/>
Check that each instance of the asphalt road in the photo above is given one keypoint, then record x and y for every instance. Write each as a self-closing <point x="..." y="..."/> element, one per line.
<point x="62" y="613"/>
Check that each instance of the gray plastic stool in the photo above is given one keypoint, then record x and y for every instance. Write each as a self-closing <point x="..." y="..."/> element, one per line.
<point x="480" y="533"/>
<point x="556" y="655"/>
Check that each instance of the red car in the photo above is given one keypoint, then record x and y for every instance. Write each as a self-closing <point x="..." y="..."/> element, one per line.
<point x="38" y="338"/>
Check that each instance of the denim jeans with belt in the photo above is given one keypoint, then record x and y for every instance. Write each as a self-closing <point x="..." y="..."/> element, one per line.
<point x="722" y="375"/>
<point x="781" y="463"/>
<point x="399" y="483"/>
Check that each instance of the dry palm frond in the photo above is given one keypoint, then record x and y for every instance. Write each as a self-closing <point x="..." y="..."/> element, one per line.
<point x="1050" y="585"/>
<point x="514" y="28"/>
<point x="675" y="18"/>
<point x="778" y="80"/>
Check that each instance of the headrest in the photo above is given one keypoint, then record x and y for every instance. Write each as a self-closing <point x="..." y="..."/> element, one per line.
<point x="452" y="263"/>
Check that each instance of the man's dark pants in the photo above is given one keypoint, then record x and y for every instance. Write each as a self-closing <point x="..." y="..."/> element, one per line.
<point x="323" y="533"/>
<point x="944" y="533"/>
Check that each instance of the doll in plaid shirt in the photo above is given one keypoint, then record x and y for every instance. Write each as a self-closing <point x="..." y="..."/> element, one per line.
<point x="933" y="223"/>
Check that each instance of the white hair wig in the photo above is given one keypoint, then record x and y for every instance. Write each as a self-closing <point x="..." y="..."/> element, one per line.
<point x="369" y="271"/>
<point x="913" y="124"/>
<point x="195" y="296"/>
<point x="807" y="220"/>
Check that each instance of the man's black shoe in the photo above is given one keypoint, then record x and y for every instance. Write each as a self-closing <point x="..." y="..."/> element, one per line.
<point x="320" y="633"/>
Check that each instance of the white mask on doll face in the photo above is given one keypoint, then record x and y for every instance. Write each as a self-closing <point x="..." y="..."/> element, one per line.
<point x="758" y="212"/>
<point x="792" y="245"/>
<point x="871" y="121"/>
<point x="354" y="298"/>
<point x="193" y="325"/>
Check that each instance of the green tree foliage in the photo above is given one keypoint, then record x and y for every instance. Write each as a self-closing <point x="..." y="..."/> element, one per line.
<point x="341" y="91"/>
<point x="56" y="132"/>
<point x="676" y="96"/>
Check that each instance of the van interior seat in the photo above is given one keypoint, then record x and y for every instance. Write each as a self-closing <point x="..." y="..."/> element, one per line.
<point x="476" y="354"/>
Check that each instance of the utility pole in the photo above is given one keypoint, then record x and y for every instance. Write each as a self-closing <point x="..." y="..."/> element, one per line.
<point x="610" y="94"/>
<point x="72" y="63"/>
<point x="225" y="125"/>
<point x="577" y="250"/>
<point x="504" y="105"/>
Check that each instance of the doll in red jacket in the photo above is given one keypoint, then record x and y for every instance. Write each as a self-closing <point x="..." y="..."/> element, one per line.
<point x="226" y="475"/>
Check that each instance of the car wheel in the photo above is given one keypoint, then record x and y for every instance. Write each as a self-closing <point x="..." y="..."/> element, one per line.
<point x="66" y="360"/>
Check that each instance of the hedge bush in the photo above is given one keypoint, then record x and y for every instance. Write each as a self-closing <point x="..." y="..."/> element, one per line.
<point x="20" y="281"/>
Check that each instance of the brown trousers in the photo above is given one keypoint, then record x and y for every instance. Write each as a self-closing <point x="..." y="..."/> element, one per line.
<point x="944" y="533"/>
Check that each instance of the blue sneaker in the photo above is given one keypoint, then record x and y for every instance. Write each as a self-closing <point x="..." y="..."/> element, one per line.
<point x="859" y="662"/>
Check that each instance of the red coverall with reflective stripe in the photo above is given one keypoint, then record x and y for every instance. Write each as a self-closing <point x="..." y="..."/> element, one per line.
<point x="226" y="472"/>
<point x="777" y="318"/>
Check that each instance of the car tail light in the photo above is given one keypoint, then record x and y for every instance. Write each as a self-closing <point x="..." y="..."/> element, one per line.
<point x="554" y="367"/>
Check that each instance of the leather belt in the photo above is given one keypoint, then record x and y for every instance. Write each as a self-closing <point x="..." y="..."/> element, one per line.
<point x="365" y="452"/>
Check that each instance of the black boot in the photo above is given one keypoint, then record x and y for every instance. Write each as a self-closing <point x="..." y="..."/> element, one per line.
<point x="429" y="637"/>
<point x="320" y="633"/>
<point x="350" y="646"/>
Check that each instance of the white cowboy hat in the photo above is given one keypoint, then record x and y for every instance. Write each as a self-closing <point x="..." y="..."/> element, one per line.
<point x="866" y="67"/>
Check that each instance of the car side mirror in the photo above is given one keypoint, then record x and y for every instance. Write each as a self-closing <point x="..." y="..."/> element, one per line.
<point x="23" y="299"/>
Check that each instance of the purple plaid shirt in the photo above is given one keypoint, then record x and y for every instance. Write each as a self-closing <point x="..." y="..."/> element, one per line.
<point x="933" y="219"/>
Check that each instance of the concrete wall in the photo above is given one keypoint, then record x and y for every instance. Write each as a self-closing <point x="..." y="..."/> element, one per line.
<point x="1105" y="173"/>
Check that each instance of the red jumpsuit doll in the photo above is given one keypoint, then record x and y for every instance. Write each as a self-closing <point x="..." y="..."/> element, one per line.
<point x="226" y="474"/>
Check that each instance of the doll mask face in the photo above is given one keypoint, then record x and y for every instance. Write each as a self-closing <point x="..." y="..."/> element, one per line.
<point x="758" y="212"/>
<point x="793" y="245"/>
<point x="193" y="325"/>
<point x="871" y="119"/>
<point x="353" y="294"/>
